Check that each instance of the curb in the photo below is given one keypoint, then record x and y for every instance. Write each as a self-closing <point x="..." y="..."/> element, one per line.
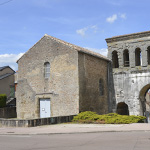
<point x="72" y="132"/>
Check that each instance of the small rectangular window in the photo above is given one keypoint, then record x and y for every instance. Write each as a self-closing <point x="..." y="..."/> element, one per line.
<point x="47" y="70"/>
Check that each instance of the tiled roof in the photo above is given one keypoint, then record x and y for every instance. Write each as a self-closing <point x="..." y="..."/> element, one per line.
<point x="1" y="68"/>
<point x="4" y="67"/>
<point x="78" y="48"/>
<point x="5" y="75"/>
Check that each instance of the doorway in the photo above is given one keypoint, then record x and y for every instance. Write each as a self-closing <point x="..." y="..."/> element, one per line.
<point x="45" y="111"/>
<point x="122" y="108"/>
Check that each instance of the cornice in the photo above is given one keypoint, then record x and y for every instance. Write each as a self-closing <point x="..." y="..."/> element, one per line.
<point x="128" y="37"/>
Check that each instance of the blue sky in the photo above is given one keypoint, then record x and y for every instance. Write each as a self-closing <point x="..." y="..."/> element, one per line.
<point x="86" y="23"/>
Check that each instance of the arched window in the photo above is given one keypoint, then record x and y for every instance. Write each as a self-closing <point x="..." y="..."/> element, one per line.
<point x="115" y="59"/>
<point x="148" y="55"/>
<point x="138" y="57"/>
<point x="101" y="87"/>
<point x="47" y="70"/>
<point x="126" y="58"/>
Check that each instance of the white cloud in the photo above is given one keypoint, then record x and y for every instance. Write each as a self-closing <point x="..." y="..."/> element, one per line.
<point x="112" y="18"/>
<point x="95" y="28"/>
<point x="115" y="3"/>
<point x="10" y="60"/>
<point x="123" y="16"/>
<point x="102" y="51"/>
<point x="83" y="31"/>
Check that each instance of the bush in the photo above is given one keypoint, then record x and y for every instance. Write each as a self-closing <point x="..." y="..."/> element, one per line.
<point x="86" y="116"/>
<point x="3" y="98"/>
<point x="111" y="118"/>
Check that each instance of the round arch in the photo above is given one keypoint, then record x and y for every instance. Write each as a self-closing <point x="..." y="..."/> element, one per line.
<point x="126" y="58"/>
<point x="142" y="96"/>
<point x="148" y="55"/>
<point x="122" y="108"/>
<point x="115" y="61"/>
<point x="138" y="56"/>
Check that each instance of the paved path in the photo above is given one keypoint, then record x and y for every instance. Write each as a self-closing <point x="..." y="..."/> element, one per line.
<point x="75" y="128"/>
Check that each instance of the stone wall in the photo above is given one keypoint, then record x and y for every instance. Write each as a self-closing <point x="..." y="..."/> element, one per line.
<point x="61" y="87"/>
<point x="91" y="70"/>
<point x="129" y="81"/>
<point x="34" y="122"/>
<point x="128" y="86"/>
<point x="111" y="89"/>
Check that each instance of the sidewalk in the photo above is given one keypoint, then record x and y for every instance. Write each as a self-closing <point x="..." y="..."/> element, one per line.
<point x="75" y="128"/>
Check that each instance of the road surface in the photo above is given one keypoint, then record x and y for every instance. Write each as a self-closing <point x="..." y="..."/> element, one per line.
<point x="134" y="140"/>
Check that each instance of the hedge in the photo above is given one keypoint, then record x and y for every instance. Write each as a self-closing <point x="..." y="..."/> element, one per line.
<point x="3" y="98"/>
<point x="111" y="118"/>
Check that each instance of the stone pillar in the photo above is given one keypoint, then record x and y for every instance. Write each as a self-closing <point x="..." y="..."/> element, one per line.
<point x="109" y="53"/>
<point x="144" y="56"/>
<point x="132" y="56"/>
<point x="120" y="58"/>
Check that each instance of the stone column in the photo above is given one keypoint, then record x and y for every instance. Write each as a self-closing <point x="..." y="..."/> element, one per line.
<point x="109" y="53"/>
<point x="144" y="56"/>
<point x="132" y="56"/>
<point x="120" y="58"/>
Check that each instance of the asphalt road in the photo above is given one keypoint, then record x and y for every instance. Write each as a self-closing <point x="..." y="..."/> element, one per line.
<point x="81" y="141"/>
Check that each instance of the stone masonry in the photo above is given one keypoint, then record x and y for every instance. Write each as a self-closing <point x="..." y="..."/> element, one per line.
<point x="73" y="85"/>
<point x="131" y="70"/>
